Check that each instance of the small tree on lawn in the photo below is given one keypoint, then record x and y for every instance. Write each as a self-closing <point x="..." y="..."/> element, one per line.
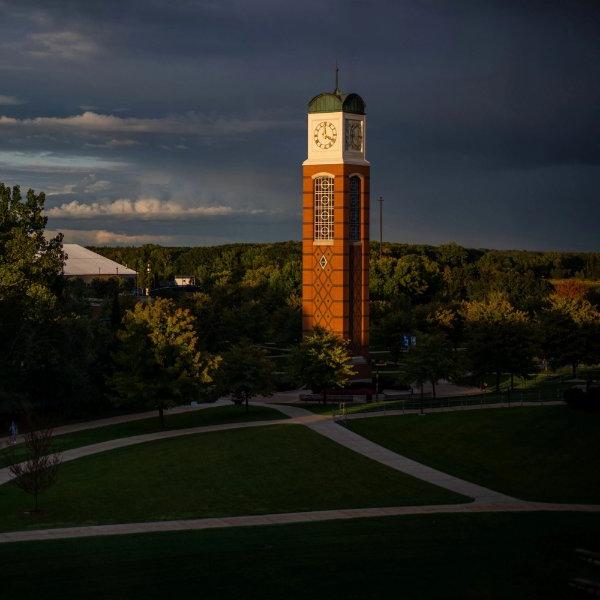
<point x="246" y="372"/>
<point x="158" y="364"/>
<point x="321" y="361"/>
<point x="39" y="469"/>
<point x="430" y="360"/>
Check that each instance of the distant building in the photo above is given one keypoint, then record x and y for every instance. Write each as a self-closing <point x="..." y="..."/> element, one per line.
<point x="184" y="280"/>
<point x="87" y="265"/>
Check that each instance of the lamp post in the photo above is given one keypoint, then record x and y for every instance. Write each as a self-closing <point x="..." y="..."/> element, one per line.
<point x="376" y="366"/>
<point x="380" y="200"/>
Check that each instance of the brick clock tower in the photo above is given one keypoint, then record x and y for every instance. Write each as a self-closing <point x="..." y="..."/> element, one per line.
<point x="335" y="222"/>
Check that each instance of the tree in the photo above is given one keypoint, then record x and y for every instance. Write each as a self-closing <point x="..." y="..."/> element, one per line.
<point x="30" y="286"/>
<point x="40" y="468"/>
<point x="430" y="360"/>
<point x="157" y="362"/>
<point x="452" y="254"/>
<point x="448" y="320"/>
<point x="321" y="361"/>
<point x="569" y="331"/>
<point x="574" y="289"/>
<point x="246" y="372"/>
<point x="412" y="275"/>
<point x="499" y="338"/>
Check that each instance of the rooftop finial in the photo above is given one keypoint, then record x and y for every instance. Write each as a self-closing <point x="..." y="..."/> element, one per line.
<point x="337" y="78"/>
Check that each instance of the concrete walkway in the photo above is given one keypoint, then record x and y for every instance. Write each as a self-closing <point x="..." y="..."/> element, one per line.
<point x="485" y="500"/>
<point x="322" y="424"/>
<point x="353" y="441"/>
<point x="275" y="402"/>
<point x="152" y="414"/>
<point x="75" y="453"/>
<point x="283" y="519"/>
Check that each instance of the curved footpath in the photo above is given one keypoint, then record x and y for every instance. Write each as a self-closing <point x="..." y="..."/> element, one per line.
<point x="81" y="426"/>
<point x="343" y="436"/>
<point x="485" y="500"/>
<point x="283" y="519"/>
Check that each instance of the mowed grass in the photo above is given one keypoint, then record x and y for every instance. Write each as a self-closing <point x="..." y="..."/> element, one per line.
<point x="544" y="453"/>
<point x="198" y="418"/>
<point x="491" y="556"/>
<point x="283" y="468"/>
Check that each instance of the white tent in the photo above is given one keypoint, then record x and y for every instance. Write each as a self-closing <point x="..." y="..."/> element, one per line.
<point x="86" y="264"/>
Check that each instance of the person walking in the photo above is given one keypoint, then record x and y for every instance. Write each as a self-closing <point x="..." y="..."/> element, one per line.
<point x="14" y="431"/>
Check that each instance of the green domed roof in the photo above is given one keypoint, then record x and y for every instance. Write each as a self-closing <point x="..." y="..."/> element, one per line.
<point x="336" y="101"/>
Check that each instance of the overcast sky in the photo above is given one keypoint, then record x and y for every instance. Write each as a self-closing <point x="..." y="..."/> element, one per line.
<point x="183" y="122"/>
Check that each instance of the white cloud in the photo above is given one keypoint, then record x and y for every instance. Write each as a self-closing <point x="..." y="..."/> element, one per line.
<point x="66" y="45"/>
<point x="144" y="208"/>
<point x="102" y="237"/>
<point x="114" y="143"/>
<point x="190" y="123"/>
<point x="9" y="100"/>
<point x="99" y="185"/>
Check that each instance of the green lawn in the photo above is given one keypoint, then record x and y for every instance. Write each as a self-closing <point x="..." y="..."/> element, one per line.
<point x="283" y="468"/>
<point x="466" y="557"/>
<point x="559" y="378"/>
<point x="547" y="453"/>
<point x="197" y="418"/>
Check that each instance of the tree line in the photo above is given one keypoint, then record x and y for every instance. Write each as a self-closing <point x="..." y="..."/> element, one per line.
<point x="490" y="311"/>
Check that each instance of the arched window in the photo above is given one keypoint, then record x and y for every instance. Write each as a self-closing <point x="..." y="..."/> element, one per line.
<point x="354" y="208"/>
<point x="323" y="187"/>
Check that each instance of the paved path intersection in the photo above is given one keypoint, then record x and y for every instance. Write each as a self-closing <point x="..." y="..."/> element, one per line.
<point x="485" y="500"/>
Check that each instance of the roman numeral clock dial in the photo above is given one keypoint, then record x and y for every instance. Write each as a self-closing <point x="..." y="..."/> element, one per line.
<point x="325" y="135"/>
<point x="354" y="136"/>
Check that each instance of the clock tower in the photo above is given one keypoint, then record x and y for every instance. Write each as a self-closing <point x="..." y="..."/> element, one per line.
<point x="335" y="222"/>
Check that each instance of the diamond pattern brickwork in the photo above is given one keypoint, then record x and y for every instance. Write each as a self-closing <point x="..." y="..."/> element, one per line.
<point x="356" y="297"/>
<point x="322" y="298"/>
<point x="335" y="269"/>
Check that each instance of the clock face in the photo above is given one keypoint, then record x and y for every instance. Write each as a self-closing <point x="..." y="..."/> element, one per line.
<point x="325" y="135"/>
<point x="354" y="136"/>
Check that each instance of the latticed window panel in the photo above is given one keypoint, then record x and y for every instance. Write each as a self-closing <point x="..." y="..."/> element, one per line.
<point x="354" y="209"/>
<point x="323" y="208"/>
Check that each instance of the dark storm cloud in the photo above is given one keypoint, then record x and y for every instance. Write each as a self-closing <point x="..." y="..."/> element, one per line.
<point x="483" y="116"/>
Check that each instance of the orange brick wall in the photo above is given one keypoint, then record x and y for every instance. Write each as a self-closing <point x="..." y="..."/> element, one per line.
<point x="337" y="297"/>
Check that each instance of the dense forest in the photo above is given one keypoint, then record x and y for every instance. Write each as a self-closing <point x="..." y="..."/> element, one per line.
<point x="253" y="290"/>
<point x="206" y="262"/>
